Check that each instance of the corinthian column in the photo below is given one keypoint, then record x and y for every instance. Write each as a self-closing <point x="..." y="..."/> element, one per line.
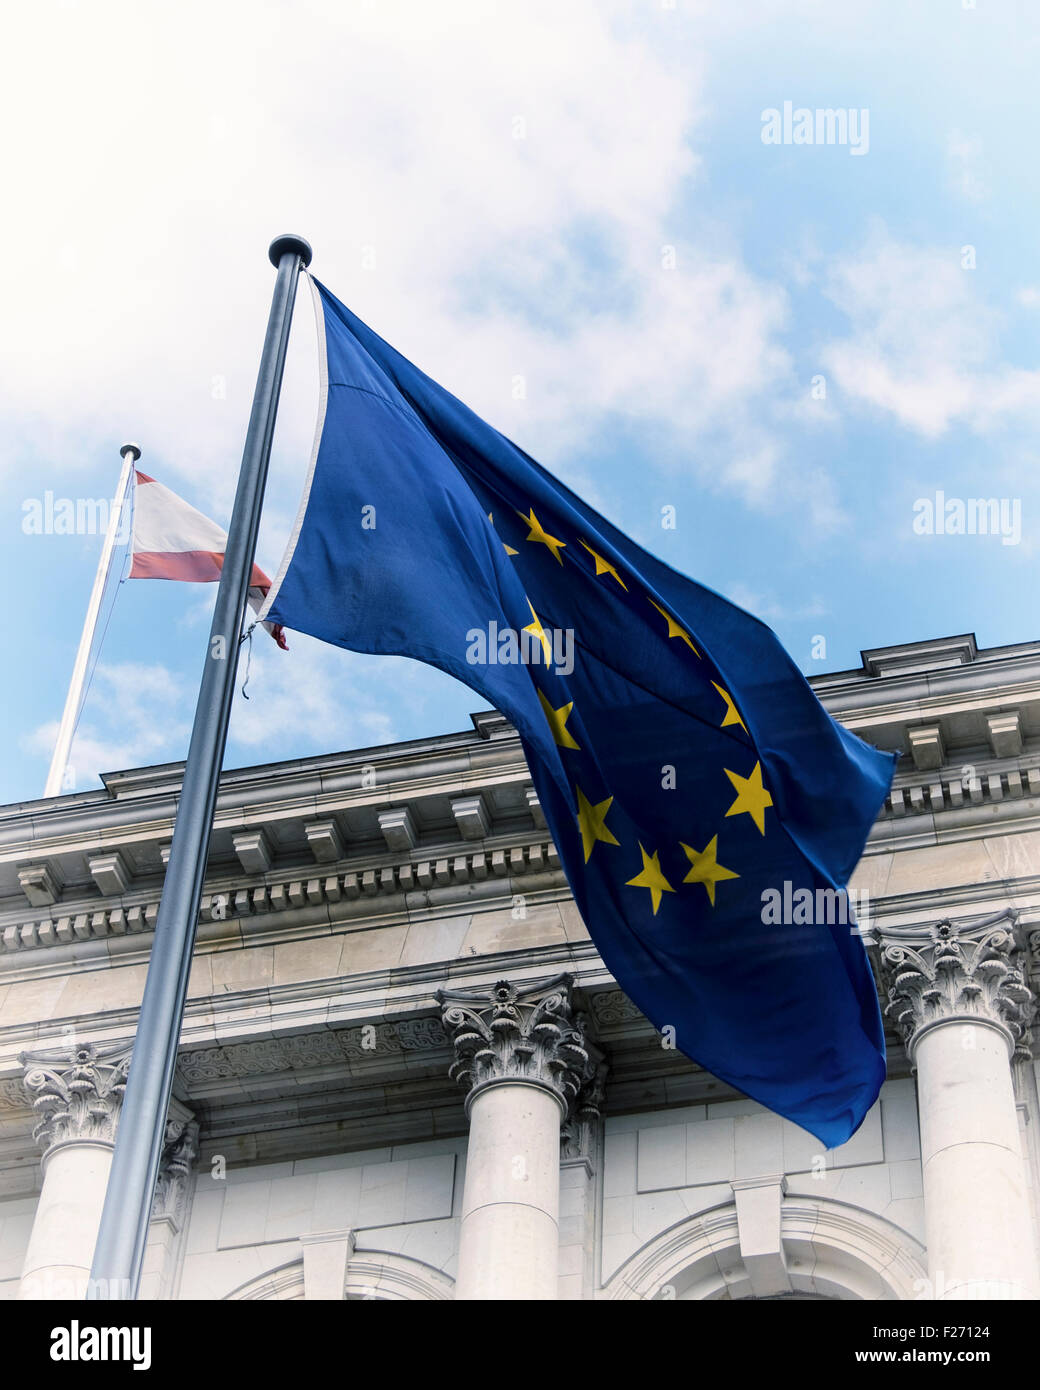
<point x="960" y="1000"/>
<point x="77" y="1093"/>
<point x="522" y="1055"/>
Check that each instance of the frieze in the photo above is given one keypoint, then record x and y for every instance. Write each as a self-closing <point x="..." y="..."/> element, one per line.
<point x="613" y="1007"/>
<point x="416" y="1034"/>
<point x="304" y="1051"/>
<point x="13" y="1097"/>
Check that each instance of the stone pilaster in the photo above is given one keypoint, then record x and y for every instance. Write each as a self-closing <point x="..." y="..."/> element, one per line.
<point x="581" y="1159"/>
<point x="77" y="1094"/>
<point x="958" y="995"/>
<point x="522" y="1054"/>
<point x="170" y="1203"/>
<point x="180" y="1152"/>
<point x="583" y="1123"/>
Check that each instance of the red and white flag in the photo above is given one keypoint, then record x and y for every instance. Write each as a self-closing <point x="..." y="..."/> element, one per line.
<point x="172" y="540"/>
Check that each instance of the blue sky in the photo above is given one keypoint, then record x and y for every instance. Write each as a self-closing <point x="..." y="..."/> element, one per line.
<point x="495" y="189"/>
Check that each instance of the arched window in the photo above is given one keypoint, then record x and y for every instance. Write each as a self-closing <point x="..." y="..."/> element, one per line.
<point x="372" y="1276"/>
<point x="830" y="1250"/>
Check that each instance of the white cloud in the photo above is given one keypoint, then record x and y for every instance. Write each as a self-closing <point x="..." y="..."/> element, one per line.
<point x="922" y="346"/>
<point x="325" y="695"/>
<point x="137" y="715"/>
<point x="964" y="158"/>
<point x="185" y="139"/>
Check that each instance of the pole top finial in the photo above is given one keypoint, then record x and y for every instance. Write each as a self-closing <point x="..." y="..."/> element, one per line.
<point x="130" y="449"/>
<point x="288" y="242"/>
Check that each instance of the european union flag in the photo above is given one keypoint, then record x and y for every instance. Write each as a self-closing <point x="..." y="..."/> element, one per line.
<point x="694" y="785"/>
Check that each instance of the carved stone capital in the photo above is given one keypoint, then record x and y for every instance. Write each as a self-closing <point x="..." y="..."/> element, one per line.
<point x="956" y="972"/>
<point x="580" y="1130"/>
<point x="76" y="1092"/>
<point x="180" y="1152"/>
<point x="518" y="1033"/>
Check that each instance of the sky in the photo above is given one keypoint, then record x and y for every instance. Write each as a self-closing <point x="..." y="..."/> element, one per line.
<point x="569" y="216"/>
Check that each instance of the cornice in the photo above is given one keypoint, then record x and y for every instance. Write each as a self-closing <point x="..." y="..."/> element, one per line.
<point x="51" y="913"/>
<point x="382" y="889"/>
<point x="859" y="705"/>
<point x="371" y="888"/>
<point x="397" y="765"/>
<point x="110" y="823"/>
<point x="379" y="889"/>
<point x="945" y="803"/>
<point x="899" y="672"/>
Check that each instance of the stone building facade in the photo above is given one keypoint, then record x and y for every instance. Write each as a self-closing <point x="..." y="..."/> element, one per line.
<point x="406" y="1074"/>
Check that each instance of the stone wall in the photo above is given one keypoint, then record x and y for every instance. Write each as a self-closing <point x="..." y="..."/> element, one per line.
<point x="400" y="1201"/>
<point x="663" y="1168"/>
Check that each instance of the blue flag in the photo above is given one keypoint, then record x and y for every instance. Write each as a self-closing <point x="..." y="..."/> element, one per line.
<point x="707" y="810"/>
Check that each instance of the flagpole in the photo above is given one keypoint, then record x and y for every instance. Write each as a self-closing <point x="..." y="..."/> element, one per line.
<point x="63" y="746"/>
<point x="119" y="1253"/>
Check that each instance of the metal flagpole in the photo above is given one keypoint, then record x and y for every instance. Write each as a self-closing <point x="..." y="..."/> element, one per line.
<point x="119" y="1253"/>
<point x="131" y="453"/>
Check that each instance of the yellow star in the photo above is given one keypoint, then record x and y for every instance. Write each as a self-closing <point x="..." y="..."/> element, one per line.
<point x="592" y="822"/>
<point x="732" y="717"/>
<point x="650" y="876"/>
<point x="603" y="566"/>
<point x="536" y="533"/>
<point x="752" y="797"/>
<point x="507" y="548"/>
<point x="674" y="630"/>
<point x="558" y="723"/>
<point x="538" y="631"/>
<point x="706" y="868"/>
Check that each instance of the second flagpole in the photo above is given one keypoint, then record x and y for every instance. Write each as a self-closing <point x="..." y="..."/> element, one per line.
<point x="70" y="715"/>
<point x="119" y="1253"/>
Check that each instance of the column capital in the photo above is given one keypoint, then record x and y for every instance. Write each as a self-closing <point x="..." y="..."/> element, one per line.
<point x="578" y="1140"/>
<point x="76" y="1092"/>
<point x="519" y="1033"/>
<point x="180" y="1152"/>
<point x="956" y="972"/>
